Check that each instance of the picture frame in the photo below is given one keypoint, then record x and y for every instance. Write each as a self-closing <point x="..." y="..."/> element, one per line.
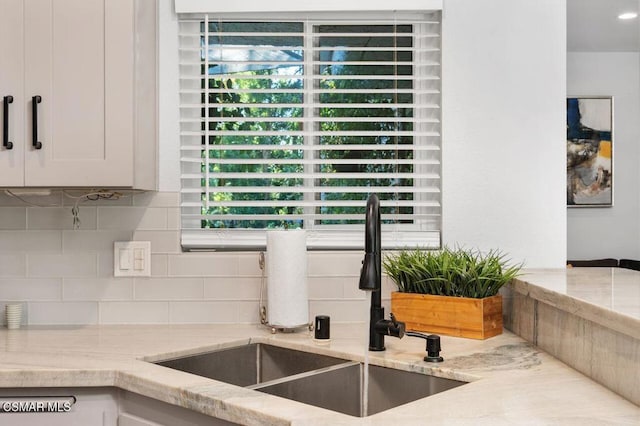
<point x="590" y="151"/>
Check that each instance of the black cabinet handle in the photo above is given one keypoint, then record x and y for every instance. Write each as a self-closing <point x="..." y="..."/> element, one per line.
<point x="35" y="100"/>
<point x="5" y="119"/>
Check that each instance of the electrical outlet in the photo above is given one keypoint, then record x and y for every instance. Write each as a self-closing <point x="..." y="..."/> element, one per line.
<point x="132" y="259"/>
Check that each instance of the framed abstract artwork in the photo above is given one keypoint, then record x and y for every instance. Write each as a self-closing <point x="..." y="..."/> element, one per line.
<point x="590" y="151"/>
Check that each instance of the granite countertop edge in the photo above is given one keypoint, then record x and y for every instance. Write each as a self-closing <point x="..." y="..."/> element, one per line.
<point x="530" y="284"/>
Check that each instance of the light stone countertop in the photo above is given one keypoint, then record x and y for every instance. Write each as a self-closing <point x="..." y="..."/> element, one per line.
<point x="512" y="382"/>
<point x="607" y="296"/>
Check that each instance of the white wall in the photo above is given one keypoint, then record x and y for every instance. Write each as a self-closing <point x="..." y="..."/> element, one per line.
<point x="612" y="231"/>
<point x="504" y="127"/>
<point x="503" y="183"/>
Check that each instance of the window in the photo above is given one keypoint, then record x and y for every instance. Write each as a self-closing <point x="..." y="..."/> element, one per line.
<point x="294" y="122"/>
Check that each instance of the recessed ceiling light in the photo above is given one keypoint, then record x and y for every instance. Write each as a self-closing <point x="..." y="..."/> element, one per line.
<point x="628" y="15"/>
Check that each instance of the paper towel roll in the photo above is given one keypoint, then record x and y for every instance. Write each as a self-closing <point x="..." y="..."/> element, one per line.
<point x="287" y="294"/>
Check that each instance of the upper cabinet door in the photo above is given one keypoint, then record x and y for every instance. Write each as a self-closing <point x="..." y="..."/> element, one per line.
<point x="79" y="59"/>
<point x="11" y="86"/>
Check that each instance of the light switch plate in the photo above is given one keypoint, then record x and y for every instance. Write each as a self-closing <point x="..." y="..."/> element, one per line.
<point x="132" y="259"/>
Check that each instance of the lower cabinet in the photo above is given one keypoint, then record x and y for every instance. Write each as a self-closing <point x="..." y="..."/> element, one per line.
<point x="91" y="407"/>
<point x="97" y="407"/>
<point x="138" y="410"/>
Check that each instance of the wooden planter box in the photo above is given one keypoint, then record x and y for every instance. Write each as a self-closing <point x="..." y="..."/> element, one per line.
<point x="451" y="316"/>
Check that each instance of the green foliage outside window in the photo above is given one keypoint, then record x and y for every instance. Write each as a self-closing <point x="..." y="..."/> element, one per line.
<point x="242" y="103"/>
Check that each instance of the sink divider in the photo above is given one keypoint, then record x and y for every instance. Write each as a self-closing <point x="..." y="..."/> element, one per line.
<point x="337" y="387"/>
<point x="305" y="374"/>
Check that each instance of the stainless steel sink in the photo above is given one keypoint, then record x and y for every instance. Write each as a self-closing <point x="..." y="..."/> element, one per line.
<point x="324" y="381"/>
<point x="340" y="388"/>
<point x="250" y="364"/>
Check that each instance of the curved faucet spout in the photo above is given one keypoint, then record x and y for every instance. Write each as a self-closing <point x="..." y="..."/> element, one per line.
<point x="371" y="277"/>
<point x="371" y="273"/>
<point x="371" y="280"/>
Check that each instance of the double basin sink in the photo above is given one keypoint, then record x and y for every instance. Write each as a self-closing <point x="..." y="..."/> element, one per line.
<point x="324" y="381"/>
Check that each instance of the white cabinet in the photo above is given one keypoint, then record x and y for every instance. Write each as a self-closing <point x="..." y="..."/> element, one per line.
<point x="92" y="407"/>
<point x="91" y="63"/>
<point x="138" y="410"/>
<point x="12" y="89"/>
<point x="99" y="406"/>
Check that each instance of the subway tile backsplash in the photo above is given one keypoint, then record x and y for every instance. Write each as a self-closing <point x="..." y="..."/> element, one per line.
<point x="65" y="275"/>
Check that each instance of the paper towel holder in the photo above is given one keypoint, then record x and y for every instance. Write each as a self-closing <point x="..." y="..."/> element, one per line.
<point x="262" y="309"/>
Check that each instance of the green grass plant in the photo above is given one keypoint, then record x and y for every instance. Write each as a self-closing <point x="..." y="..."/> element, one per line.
<point x="450" y="272"/>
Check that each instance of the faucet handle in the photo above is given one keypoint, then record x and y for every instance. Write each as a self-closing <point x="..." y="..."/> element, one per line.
<point x="390" y="327"/>
<point x="393" y="319"/>
<point x="398" y="326"/>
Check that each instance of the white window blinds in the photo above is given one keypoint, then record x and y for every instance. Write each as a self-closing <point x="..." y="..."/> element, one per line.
<point x="293" y="123"/>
